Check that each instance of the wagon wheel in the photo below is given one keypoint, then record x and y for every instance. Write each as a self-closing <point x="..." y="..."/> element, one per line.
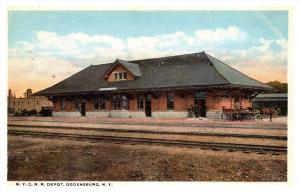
<point x="223" y="116"/>
<point x="229" y="117"/>
<point x="249" y="117"/>
<point x="258" y="117"/>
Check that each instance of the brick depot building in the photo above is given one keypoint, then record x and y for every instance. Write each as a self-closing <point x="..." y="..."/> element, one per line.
<point x="160" y="87"/>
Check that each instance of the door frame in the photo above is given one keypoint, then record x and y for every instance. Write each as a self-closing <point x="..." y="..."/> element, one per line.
<point x="148" y="109"/>
<point x="83" y="108"/>
<point x="200" y="100"/>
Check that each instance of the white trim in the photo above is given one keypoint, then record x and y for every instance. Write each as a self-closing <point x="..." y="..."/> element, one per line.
<point x="66" y="114"/>
<point x="169" y="114"/>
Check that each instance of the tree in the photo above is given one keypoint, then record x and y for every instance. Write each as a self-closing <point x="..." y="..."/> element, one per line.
<point x="278" y="87"/>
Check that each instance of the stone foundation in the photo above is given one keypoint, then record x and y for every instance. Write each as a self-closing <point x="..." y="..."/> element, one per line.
<point x="119" y="114"/>
<point x="213" y="114"/>
<point x="216" y="114"/>
<point x="169" y="114"/>
<point x="98" y="114"/>
<point x="137" y="114"/>
<point x="66" y="114"/>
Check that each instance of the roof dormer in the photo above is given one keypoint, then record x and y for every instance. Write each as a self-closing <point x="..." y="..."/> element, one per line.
<point x="122" y="70"/>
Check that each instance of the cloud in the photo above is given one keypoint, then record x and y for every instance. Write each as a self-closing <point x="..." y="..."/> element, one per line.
<point x="80" y="47"/>
<point x="220" y="35"/>
<point x="49" y="53"/>
<point x="266" y="61"/>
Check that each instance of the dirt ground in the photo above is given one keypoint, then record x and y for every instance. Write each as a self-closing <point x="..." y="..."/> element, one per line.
<point x="64" y="160"/>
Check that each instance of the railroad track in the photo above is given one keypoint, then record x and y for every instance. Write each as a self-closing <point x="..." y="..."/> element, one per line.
<point x="133" y="140"/>
<point x="215" y="125"/>
<point x="257" y="136"/>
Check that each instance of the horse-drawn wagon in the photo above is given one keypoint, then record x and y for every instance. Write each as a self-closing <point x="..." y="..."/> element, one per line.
<point x="241" y="114"/>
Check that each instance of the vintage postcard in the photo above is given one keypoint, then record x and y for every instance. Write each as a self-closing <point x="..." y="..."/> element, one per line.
<point x="98" y="96"/>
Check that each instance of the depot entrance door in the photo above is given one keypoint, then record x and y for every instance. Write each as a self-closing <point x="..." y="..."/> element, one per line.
<point x="82" y="108"/>
<point x="148" y="106"/>
<point x="200" y="105"/>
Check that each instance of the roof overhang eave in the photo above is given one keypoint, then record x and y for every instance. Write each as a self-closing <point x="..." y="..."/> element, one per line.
<point x="217" y="86"/>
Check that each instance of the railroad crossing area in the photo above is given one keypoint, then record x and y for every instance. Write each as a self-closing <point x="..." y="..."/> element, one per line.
<point x="260" y="137"/>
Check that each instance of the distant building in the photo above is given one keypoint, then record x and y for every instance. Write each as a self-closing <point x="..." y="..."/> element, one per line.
<point x="28" y="103"/>
<point x="275" y="100"/>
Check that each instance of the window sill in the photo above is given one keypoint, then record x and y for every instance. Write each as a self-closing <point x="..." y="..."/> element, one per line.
<point x="119" y="80"/>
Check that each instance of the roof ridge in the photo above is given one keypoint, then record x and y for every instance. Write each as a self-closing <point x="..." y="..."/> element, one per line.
<point x="164" y="57"/>
<point x="206" y="55"/>
<point x="235" y="70"/>
<point x="171" y="56"/>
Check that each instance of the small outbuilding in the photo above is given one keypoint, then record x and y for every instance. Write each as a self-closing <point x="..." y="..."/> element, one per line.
<point x="272" y="100"/>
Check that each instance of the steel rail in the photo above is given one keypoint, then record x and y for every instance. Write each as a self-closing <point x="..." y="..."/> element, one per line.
<point x="184" y="143"/>
<point x="191" y="133"/>
<point x="187" y="124"/>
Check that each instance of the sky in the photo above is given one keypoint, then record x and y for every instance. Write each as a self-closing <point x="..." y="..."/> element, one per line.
<point x="45" y="47"/>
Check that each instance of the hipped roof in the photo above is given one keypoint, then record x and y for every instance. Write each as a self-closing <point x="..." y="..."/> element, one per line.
<point x="189" y="70"/>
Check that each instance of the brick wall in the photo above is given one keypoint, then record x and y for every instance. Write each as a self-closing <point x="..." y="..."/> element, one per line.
<point x="69" y="105"/>
<point x="56" y="105"/>
<point x="160" y="104"/>
<point x="246" y="103"/>
<point x="108" y="105"/>
<point x="181" y="103"/>
<point x="89" y="105"/>
<point x="214" y="102"/>
<point x="133" y="103"/>
<point x="217" y="102"/>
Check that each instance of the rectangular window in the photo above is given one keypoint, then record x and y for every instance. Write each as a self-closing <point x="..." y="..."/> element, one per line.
<point x="120" y="102"/>
<point x="236" y="103"/>
<point x="76" y="104"/>
<point x="124" y="102"/>
<point x="62" y="104"/>
<point x="120" y="76"/>
<point x="170" y="101"/>
<point x="140" y="102"/>
<point x="96" y="105"/>
<point x="116" y="102"/>
<point x="124" y="75"/>
<point x="102" y="103"/>
<point x="99" y="104"/>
